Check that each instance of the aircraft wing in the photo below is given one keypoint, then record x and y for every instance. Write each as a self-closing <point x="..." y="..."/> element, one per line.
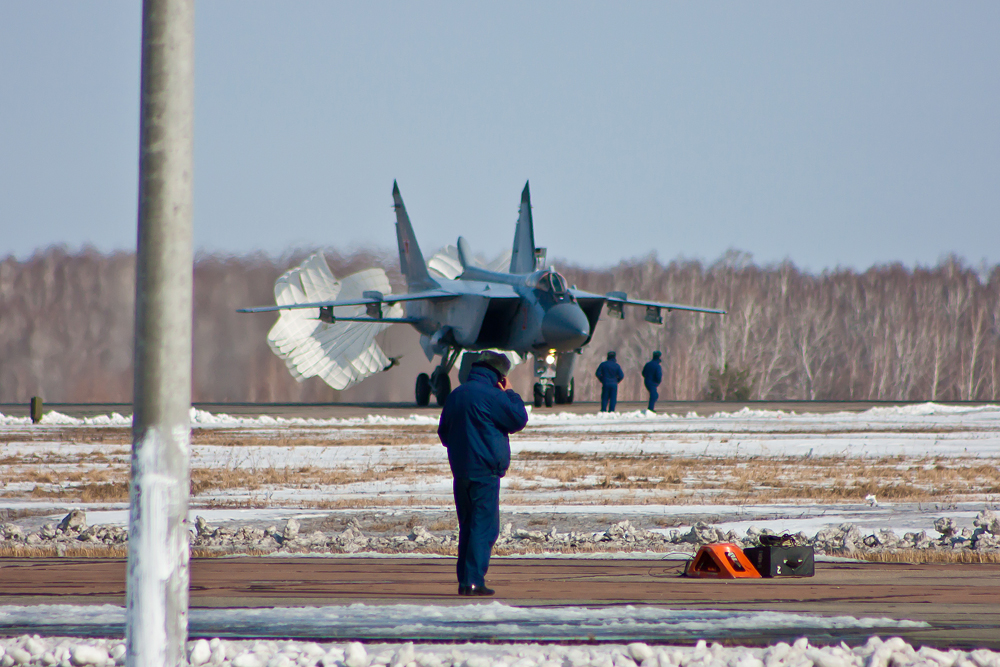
<point x="621" y="299"/>
<point x="372" y="299"/>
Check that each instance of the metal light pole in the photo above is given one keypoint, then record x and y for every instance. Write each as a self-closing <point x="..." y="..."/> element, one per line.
<point x="157" y="580"/>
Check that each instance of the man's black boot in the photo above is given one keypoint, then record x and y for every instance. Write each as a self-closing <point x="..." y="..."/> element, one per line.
<point x="479" y="590"/>
<point x="463" y="590"/>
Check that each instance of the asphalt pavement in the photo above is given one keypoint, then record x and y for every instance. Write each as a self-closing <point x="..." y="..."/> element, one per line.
<point x="959" y="601"/>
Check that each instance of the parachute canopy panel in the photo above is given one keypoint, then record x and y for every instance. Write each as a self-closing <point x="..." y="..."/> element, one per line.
<point x="341" y="353"/>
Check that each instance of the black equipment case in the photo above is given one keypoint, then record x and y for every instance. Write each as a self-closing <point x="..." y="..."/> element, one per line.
<point x="782" y="561"/>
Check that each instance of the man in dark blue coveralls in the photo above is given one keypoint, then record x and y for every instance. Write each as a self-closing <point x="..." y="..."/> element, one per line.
<point x="610" y="374"/>
<point x="652" y="375"/>
<point x="476" y="420"/>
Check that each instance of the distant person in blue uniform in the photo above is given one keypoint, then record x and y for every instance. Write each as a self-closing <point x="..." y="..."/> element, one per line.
<point x="652" y="376"/>
<point x="609" y="373"/>
<point x="475" y="424"/>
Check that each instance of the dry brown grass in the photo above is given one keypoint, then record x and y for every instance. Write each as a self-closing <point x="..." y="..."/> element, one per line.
<point x="710" y="433"/>
<point x="106" y="436"/>
<point x="739" y="480"/>
<point x="106" y="552"/>
<point x="110" y="484"/>
<point x="39" y="492"/>
<point x="594" y="548"/>
<point x="363" y="502"/>
<point x="910" y="556"/>
<point x="320" y="438"/>
<point x="74" y="458"/>
<point x="916" y="556"/>
<point x="204" y="480"/>
<point x="112" y="492"/>
<point x="385" y="526"/>
<point x="88" y="493"/>
<point x="535" y="477"/>
<point x="236" y="503"/>
<point x="299" y="436"/>
<point x="72" y="551"/>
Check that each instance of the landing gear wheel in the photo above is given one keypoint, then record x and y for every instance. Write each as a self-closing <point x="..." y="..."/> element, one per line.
<point x="570" y="388"/>
<point x="550" y="396"/>
<point x="560" y="395"/>
<point x="423" y="391"/>
<point x="442" y="387"/>
<point x="539" y="395"/>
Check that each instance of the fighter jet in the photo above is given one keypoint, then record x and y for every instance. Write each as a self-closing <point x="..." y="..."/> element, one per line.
<point x="528" y="310"/>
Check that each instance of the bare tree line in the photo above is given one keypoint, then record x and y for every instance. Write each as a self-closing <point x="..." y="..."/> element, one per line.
<point x="889" y="333"/>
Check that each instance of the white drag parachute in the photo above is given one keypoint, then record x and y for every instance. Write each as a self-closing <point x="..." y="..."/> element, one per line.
<point x="445" y="263"/>
<point x="343" y="353"/>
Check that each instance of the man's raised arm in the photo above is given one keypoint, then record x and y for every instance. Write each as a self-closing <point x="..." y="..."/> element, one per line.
<point x="509" y="413"/>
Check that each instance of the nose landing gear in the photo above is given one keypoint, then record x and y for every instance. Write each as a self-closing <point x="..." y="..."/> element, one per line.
<point x="544" y="393"/>
<point x="554" y="379"/>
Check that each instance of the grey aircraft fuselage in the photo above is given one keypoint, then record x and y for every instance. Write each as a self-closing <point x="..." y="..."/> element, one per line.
<point x="528" y="310"/>
<point x="523" y="313"/>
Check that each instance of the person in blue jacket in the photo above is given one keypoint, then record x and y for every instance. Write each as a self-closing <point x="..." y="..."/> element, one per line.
<point x="610" y="374"/>
<point x="652" y="375"/>
<point x="475" y="424"/>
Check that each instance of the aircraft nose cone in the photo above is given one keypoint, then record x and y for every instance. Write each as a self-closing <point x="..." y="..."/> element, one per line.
<point x="565" y="327"/>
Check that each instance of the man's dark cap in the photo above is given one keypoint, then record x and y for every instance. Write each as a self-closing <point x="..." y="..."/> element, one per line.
<point x="657" y="354"/>
<point x="498" y="362"/>
<point x="611" y="354"/>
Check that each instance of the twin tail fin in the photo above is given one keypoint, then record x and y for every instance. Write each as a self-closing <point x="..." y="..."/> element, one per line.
<point x="411" y="260"/>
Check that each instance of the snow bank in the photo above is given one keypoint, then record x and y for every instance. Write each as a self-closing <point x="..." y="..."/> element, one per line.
<point x="204" y="419"/>
<point x="73" y="651"/>
<point x="929" y="410"/>
<point x="54" y="418"/>
<point x="201" y="418"/>
<point x="14" y="421"/>
<point x="901" y="411"/>
<point x="592" y="417"/>
<point x="58" y="419"/>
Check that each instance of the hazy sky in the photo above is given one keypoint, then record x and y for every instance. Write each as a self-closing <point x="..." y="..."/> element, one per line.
<point x="845" y="133"/>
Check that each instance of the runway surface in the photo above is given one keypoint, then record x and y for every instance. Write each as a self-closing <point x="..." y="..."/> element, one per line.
<point x="958" y="601"/>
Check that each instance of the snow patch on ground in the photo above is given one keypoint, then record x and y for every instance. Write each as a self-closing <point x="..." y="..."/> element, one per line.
<point x="204" y="419"/>
<point x="226" y="653"/>
<point x="493" y="620"/>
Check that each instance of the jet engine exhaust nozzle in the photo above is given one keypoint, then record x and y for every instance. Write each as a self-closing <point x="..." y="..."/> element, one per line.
<point x="565" y="327"/>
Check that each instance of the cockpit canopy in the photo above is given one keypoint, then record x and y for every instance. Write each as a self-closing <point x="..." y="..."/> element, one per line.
<point x="547" y="281"/>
